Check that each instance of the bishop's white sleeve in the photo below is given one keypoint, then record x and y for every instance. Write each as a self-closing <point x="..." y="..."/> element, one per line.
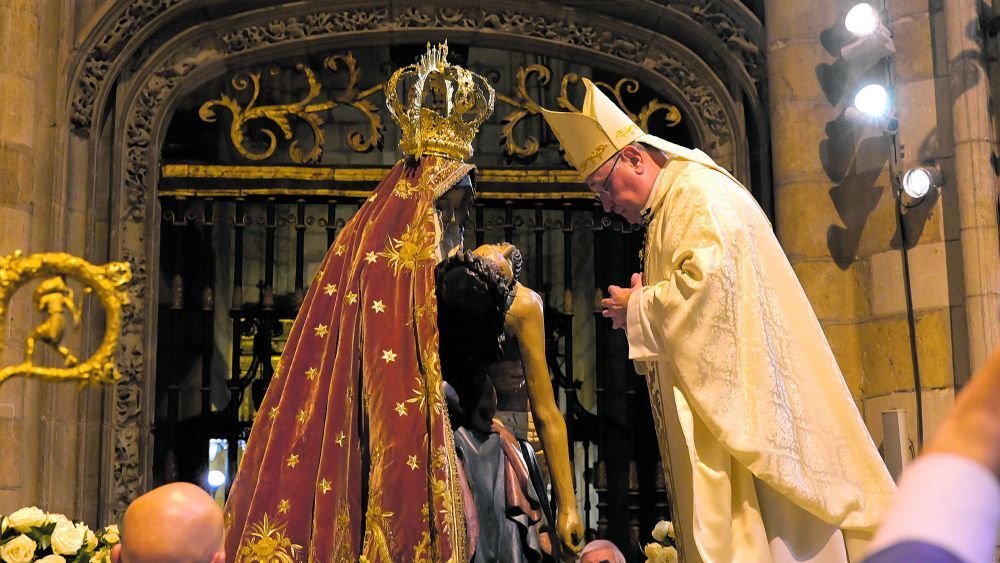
<point x="659" y="310"/>
<point x="948" y="501"/>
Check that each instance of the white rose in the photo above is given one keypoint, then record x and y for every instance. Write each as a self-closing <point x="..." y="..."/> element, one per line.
<point x="52" y="559"/>
<point x="26" y="518"/>
<point x="56" y="519"/>
<point x="90" y="539"/>
<point x="67" y="538"/>
<point x="112" y="535"/>
<point x="669" y="555"/>
<point x="102" y="555"/>
<point x="663" y="530"/>
<point x="18" y="550"/>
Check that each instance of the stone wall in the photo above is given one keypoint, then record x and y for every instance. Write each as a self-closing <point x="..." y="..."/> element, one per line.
<point x="835" y="209"/>
<point x="45" y="438"/>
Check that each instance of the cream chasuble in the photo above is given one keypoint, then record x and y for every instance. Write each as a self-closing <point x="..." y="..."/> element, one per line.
<point x="766" y="451"/>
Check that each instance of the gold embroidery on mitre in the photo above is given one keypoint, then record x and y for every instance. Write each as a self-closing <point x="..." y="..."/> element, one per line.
<point x="593" y="156"/>
<point x="458" y="102"/>
<point x="268" y="544"/>
<point x="625" y="131"/>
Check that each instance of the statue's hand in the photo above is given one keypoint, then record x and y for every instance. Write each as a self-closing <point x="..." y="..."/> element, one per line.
<point x="570" y="530"/>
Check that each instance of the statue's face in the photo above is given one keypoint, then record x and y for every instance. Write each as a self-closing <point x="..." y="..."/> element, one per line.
<point x="500" y="255"/>
<point x="453" y="212"/>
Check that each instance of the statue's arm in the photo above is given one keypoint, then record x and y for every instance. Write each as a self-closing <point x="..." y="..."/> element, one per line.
<point x="526" y="317"/>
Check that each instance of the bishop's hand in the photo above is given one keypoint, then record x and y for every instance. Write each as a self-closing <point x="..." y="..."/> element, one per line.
<point x="616" y="306"/>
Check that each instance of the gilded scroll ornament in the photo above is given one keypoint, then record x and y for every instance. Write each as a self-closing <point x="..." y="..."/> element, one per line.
<point x="54" y="299"/>
<point x="525" y="106"/>
<point x="307" y="110"/>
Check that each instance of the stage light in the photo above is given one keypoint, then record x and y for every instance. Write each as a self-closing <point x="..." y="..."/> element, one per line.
<point x="918" y="182"/>
<point x="872" y="100"/>
<point x="862" y="20"/>
<point x="216" y="478"/>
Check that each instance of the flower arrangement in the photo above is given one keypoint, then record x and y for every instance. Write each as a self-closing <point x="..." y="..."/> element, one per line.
<point x="31" y="534"/>
<point x="663" y="550"/>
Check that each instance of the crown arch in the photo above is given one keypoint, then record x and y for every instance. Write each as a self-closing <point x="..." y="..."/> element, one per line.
<point x="139" y="58"/>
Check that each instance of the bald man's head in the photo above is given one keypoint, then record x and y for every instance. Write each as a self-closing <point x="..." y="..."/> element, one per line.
<point x="175" y="523"/>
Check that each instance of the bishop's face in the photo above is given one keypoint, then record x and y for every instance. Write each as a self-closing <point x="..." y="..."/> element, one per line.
<point x="624" y="182"/>
<point x="453" y="212"/>
<point x="499" y="254"/>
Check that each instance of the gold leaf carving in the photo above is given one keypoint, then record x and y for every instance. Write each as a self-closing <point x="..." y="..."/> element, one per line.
<point x="55" y="299"/>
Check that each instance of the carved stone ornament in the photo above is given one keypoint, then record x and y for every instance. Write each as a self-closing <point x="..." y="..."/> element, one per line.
<point x="98" y="61"/>
<point x="55" y="300"/>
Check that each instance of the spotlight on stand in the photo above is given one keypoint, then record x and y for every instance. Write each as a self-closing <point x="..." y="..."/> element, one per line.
<point x="917" y="183"/>
<point x="862" y="20"/>
<point x="872" y="106"/>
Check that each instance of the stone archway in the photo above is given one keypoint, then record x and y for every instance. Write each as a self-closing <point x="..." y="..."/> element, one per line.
<point x="174" y="57"/>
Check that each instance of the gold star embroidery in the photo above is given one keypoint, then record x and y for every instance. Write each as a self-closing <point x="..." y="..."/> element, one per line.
<point x="273" y="413"/>
<point x="324" y="486"/>
<point x="302" y="416"/>
<point x="412" y="462"/>
<point x="340" y="439"/>
<point x="389" y="356"/>
<point x="293" y="460"/>
<point x="378" y="306"/>
<point x="350" y="395"/>
<point x="401" y="409"/>
<point x="372" y="197"/>
<point x="371" y="258"/>
<point x="284" y="505"/>
<point x="311" y="373"/>
<point x="352" y="298"/>
<point x="339" y="251"/>
<point x="322" y="330"/>
<point x="330" y="289"/>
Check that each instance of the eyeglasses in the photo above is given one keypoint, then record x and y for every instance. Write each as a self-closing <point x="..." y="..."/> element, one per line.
<point x="603" y="190"/>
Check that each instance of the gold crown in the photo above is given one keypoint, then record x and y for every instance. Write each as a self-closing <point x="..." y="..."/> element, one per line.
<point x="444" y="107"/>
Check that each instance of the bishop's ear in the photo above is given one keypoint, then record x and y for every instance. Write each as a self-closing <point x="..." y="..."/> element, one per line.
<point x="633" y="155"/>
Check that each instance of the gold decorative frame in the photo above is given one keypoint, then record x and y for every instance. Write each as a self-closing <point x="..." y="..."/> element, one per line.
<point x="105" y="281"/>
<point x="527" y="106"/>
<point x="308" y="110"/>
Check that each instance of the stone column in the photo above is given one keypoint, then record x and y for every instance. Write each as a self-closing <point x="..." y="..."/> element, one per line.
<point x="39" y="422"/>
<point x="805" y="211"/>
<point x="974" y="180"/>
<point x="19" y="77"/>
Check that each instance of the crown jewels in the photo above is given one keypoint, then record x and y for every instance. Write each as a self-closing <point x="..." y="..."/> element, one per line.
<point x="444" y="108"/>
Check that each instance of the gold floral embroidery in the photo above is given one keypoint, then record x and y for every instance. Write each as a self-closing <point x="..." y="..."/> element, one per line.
<point x="342" y="537"/>
<point x="268" y="544"/>
<point x="422" y="551"/>
<point x="415" y="245"/>
<point x="322" y="330"/>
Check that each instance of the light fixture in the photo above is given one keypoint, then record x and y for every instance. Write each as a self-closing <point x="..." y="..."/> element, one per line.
<point x="216" y="478"/>
<point x="918" y="182"/>
<point x="872" y="100"/>
<point x="862" y="20"/>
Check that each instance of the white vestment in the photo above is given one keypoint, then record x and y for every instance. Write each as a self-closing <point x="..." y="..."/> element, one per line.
<point x="768" y="457"/>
